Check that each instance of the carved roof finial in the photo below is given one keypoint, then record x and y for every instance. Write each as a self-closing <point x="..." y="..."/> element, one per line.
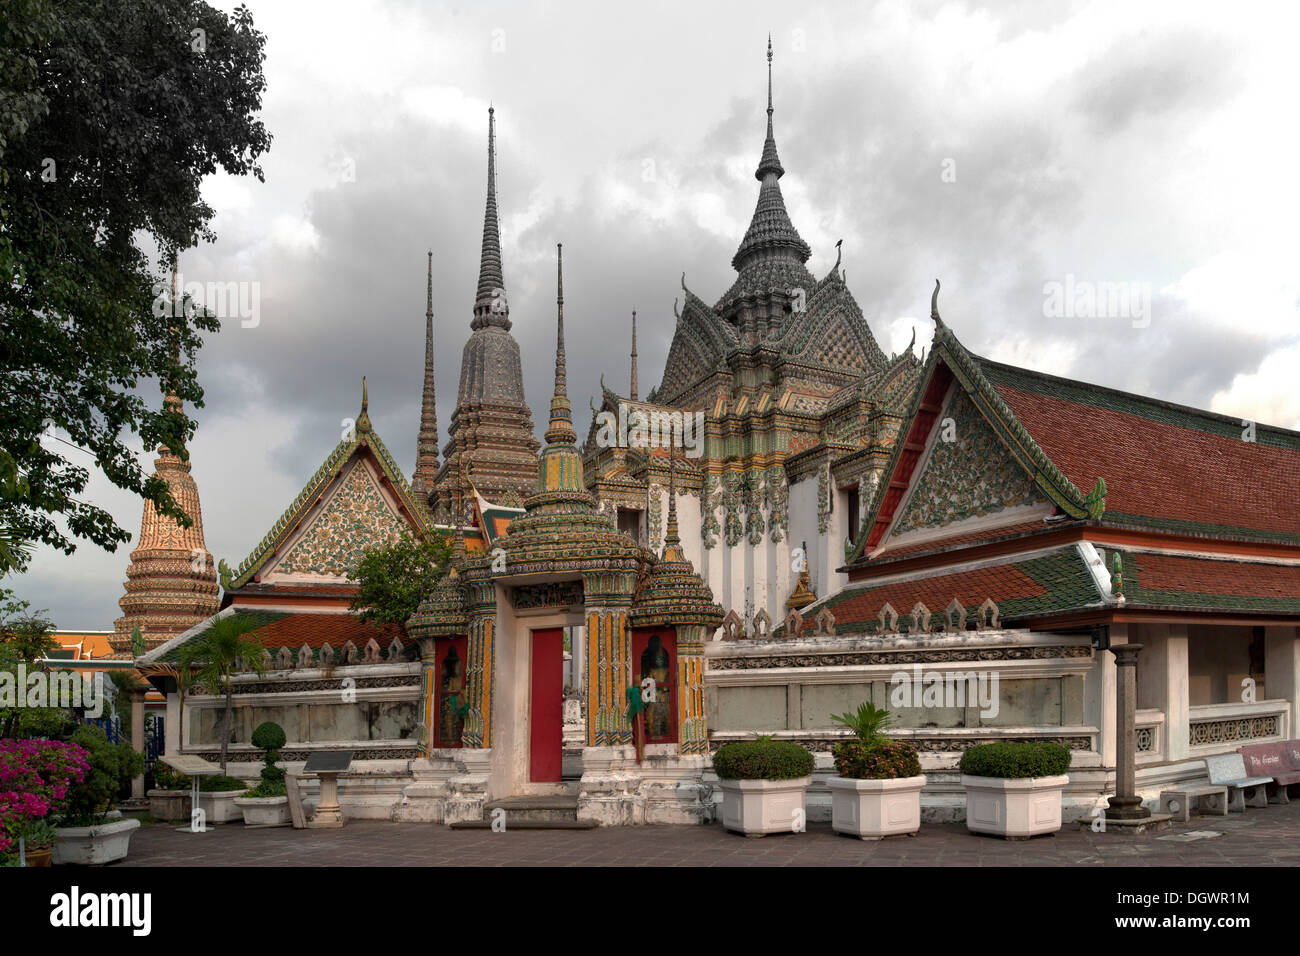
<point x="934" y="306"/>
<point x="633" y="388"/>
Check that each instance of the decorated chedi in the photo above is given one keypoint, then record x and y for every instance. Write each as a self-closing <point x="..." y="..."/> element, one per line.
<point x="171" y="583"/>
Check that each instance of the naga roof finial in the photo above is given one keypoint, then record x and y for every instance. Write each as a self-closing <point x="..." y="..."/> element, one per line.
<point x="934" y="306"/>
<point x="839" y="254"/>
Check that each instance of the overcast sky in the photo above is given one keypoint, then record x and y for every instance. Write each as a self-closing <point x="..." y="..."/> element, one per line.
<point x="998" y="147"/>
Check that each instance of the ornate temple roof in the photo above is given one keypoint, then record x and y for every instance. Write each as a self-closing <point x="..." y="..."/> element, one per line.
<point x="363" y="442"/>
<point x="171" y="582"/>
<point x="561" y="529"/>
<point x="1196" y="477"/>
<point x="772" y="254"/>
<point x="491" y="427"/>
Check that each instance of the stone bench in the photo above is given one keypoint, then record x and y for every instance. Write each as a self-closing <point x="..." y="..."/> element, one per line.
<point x="1178" y="802"/>
<point x="1276" y="761"/>
<point x="1229" y="770"/>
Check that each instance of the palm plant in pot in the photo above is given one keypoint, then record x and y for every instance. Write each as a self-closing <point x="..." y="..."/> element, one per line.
<point x="267" y="804"/>
<point x="877" y="792"/>
<point x="763" y="785"/>
<point x="1013" y="789"/>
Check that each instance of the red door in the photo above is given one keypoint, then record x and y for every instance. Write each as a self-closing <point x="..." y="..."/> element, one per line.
<point x="545" y="744"/>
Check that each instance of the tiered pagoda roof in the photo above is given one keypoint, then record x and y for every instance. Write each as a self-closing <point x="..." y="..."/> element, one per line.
<point x="491" y="434"/>
<point x="171" y="582"/>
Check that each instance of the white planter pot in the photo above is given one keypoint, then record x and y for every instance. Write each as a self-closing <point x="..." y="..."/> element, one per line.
<point x="759" y="807"/>
<point x="873" y="809"/>
<point x="219" y="806"/>
<point x="1014" y="808"/>
<point x="170" y="805"/>
<point x="264" y="811"/>
<point x="102" y="843"/>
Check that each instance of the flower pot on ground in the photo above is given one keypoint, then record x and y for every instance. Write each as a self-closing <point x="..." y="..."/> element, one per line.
<point x="267" y="804"/>
<point x="86" y="833"/>
<point x="172" y="806"/>
<point x="217" y="798"/>
<point x="763" y="785"/>
<point x="877" y="792"/>
<point x="170" y="799"/>
<point x="1013" y="790"/>
<point x="102" y="843"/>
<point x="38" y="842"/>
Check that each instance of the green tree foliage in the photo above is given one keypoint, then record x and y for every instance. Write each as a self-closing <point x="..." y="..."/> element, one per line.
<point x="111" y="114"/>
<point x="26" y="638"/>
<point x="215" y="657"/>
<point x="396" y="578"/>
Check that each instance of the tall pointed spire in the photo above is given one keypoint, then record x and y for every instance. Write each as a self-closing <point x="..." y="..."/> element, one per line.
<point x="559" y="470"/>
<point x="632" y="392"/>
<point x="771" y="245"/>
<point x="426" y="445"/>
<point x="561" y="426"/>
<point x="490" y="305"/>
<point x="769" y="162"/>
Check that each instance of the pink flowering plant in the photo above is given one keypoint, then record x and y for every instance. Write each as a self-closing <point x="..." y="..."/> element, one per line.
<point x="36" y="778"/>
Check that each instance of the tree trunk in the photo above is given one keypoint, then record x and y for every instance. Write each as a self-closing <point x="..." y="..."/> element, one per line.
<point x="225" y="726"/>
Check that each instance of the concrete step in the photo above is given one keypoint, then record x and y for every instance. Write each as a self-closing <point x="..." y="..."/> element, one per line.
<point x="532" y="812"/>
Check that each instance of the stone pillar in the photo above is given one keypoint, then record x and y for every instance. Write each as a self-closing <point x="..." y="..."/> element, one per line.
<point x="480" y="666"/>
<point x="1126" y="805"/>
<point x="428" y="691"/>
<point x="692" y="723"/>
<point x="172" y="724"/>
<point x="137" y="736"/>
<point x="1282" y="669"/>
<point x="609" y="656"/>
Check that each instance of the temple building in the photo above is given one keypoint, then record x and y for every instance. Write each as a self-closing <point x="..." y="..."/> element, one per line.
<point x="796" y="408"/>
<point x="790" y="523"/>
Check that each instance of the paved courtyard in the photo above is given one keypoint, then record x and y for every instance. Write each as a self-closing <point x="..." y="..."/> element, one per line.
<point x="1260" y="837"/>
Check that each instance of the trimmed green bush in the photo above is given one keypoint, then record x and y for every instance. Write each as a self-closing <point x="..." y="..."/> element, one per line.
<point x="270" y="737"/>
<point x="883" y="760"/>
<point x="218" y="783"/>
<point x="1016" y="760"/>
<point x="762" y="759"/>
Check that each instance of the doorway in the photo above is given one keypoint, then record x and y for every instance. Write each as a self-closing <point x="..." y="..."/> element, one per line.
<point x="546" y="706"/>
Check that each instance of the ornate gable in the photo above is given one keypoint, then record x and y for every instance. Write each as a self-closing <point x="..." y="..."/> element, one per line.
<point x="969" y="473"/>
<point x="358" y="491"/>
<point x="354" y="518"/>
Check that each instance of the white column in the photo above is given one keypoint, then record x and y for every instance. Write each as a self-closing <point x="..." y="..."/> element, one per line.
<point x="1177" y="704"/>
<point x="1282" y="669"/>
<point x="172" y="725"/>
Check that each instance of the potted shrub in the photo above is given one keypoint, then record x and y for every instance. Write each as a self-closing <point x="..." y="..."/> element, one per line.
<point x="86" y="834"/>
<point x="267" y="804"/>
<point x="763" y="784"/>
<point x="1013" y="790"/>
<point x="170" y="798"/>
<point x="878" y="790"/>
<point x="38" y="840"/>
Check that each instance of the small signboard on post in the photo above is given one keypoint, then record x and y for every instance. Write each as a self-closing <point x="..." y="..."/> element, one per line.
<point x="193" y="767"/>
<point x="328" y="765"/>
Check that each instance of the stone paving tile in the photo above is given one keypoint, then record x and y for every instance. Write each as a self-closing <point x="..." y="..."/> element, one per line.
<point x="1265" y="836"/>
